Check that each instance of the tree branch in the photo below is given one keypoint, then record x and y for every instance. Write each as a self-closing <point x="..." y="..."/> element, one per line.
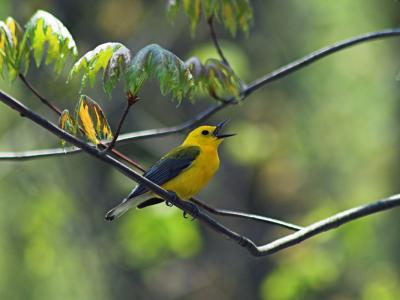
<point x="319" y="54"/>
<point x="253" y="86"/>
<point x="53" y="107"/>
<point x="329" y="224"/>
<point x="231" y="213"/>
<point x="273" y="247"/>
<point x="183" y="205"/>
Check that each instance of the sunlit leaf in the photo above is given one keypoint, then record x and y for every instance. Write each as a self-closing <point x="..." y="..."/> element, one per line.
<point x="43" y="28"/>
<point x="233" y="13"/>
<point x="91" y="119"/>
<point x="112" y="58"/>
<point x="14" y="28"/>
<point x="116" y="66"/>
<point x="174" y="77"/>
<point x="10" y="33"/>
<point x="214" y="78"/>
<point x="67" y="123"/>
<point x="6" y="44"/>
<point x="21" y="53"/>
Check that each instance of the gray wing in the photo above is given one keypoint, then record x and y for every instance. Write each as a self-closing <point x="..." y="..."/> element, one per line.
<point x="168" y="167"/>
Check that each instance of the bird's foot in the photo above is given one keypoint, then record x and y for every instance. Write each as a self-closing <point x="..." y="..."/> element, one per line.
<point x="173" y="196"/>
<point x="190" y="209"/>
<point x="187" y="207"/>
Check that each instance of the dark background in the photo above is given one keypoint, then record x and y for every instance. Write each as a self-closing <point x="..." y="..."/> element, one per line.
<point x="319" y="141"/>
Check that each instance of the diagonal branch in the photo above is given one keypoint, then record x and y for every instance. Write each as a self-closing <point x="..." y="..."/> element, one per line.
<point x="26" y="112"/>
<point x="37" y="94"/>
<point x="252" y="87"/>
<point x="319" y="54"/>
<point x="58" y="112"/>
<point x="273" y="247"/>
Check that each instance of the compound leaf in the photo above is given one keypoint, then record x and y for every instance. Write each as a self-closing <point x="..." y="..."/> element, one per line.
<point x="214" y="77"/>
<point x="43" y="28"/>
<point x="112" y="58"/>
<point x="173" y="76"/>
<point x="10" y="34"/>
<point x="233" y="13"/>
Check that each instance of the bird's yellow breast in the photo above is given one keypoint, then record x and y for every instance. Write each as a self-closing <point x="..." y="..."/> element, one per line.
<point x="194" y="178"/>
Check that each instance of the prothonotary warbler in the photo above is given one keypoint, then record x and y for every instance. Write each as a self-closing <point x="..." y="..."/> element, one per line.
<point x="184" y="170"/>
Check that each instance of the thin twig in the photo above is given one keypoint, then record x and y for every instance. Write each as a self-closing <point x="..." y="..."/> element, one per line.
<point x="130" y="101"/>
<point x="270" y="248"/>
<point x="214" y="38"/>
<point x="124" y="158"/>
<point x="41" y="98"/>
<point x="201" y="117"/>
<point x="53" y="107"/>
<point x="231" y="213"/>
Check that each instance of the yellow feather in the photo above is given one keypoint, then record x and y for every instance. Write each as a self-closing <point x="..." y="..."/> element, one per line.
<point x="190" y="181"/>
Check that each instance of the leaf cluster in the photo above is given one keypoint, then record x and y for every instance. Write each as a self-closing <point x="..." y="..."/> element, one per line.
<point x="233" y="14"/>
<point x="215" y="78"/>
<point x="116" y="62"/>
<point x="17" y="45"/>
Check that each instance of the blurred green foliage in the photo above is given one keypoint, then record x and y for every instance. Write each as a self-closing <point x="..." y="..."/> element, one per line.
<point x="319" y="141"/>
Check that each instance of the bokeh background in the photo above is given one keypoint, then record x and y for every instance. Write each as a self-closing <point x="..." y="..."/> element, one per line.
<point x="319" y="141"/>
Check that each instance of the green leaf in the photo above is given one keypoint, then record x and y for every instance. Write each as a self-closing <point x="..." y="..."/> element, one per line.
<point x="172" y="9"/>
<point x="174" y="77"/>
<point x="67" y="123"/>
<point x="233" y="13"/>
<point x="6" y="43"/>
<point x="214" y="78"/>
<point x="91" y="119"/>
<point x="111" y="57"/>
<point x="10" y="33"/>
<point x="211" y="8"/>
<point x="43" y="28"/>
<point x="236" y="13"/>
<point x="192" y="9"/>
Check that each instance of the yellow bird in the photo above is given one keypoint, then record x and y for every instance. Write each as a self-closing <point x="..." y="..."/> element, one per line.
<point x="184" y="170"/>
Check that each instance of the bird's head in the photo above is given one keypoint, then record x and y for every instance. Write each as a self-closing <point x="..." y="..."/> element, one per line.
<point x="207" y="136"/>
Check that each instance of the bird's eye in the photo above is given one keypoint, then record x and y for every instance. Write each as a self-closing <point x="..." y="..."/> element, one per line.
<point x="205" y="132"/>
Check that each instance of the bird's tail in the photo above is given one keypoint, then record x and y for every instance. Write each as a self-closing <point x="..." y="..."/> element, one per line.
<point x="119" y="210"/>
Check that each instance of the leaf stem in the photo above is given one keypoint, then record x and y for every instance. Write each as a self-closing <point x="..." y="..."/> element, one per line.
<point x="132" y="99"/>
<point x="41" y="98"/>
<point x="214" y="38"/>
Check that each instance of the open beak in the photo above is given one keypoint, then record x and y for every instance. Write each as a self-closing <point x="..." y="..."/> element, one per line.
<point x="217" y="131"/>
